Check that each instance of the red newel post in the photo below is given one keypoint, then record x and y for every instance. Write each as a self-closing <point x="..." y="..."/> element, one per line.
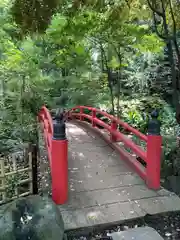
<point x="93" y="117"/>
<point x="81" y="112"/>
<point x="154" y="149"/>
<point x="59" y="161"/>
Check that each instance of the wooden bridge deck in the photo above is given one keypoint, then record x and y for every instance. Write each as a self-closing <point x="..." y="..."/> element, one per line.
<point x="102" y="188"/>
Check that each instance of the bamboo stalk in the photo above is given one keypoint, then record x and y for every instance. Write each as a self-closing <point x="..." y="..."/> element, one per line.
<point x="2" y="174"/>
<point x="15" y="170"/>
<point x="30" y="172"/>
<point x="13" y="198"/>
<point x="19" y="183"/>
<point x="5" y="172"/>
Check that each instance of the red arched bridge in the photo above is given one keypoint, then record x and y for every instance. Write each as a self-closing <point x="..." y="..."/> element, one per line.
<point x="99" y="174"/>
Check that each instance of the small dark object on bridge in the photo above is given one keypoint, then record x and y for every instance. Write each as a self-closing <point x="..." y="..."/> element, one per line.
<point x="59" y="127"/>
<point x="154" y="124"/>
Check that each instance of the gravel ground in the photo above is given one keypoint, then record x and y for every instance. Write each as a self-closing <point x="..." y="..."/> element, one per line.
<point x="168" y="225"/>
<point x="44" y="176"/>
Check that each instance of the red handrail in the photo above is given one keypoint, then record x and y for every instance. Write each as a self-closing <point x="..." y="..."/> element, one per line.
<point x="152" y="156"/>
<point x="115" y="119"/>
<point x="57" y="149"/>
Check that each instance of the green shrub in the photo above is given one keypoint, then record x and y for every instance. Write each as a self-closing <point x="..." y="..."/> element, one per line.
<point x="137" y="114"/>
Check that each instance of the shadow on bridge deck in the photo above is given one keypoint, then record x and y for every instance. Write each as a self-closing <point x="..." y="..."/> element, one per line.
<point x="102" y="188"/>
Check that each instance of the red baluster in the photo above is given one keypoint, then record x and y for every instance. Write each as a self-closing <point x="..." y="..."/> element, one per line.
<point x="81" y="112"/>
<point x="93" y="117"/>
<point x="113" y="129"/>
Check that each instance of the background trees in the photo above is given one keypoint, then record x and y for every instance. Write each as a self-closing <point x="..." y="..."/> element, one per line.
<point x="122" y="56"/>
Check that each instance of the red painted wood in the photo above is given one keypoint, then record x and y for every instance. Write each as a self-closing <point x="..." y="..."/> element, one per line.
<point x="59" y="171"/>
<point x="94" y="118"/>
<point x="120" y="122"/>
<point x="127" y="157"/>
<point x="128" y="142"/>
<point x="113" y="130"/>
<point x="152" y="157"/>
<point x="57" y="155"/>
<point x="154" y="150"/>
<point x="138" y="150"/>
<point x="57" y="149"/>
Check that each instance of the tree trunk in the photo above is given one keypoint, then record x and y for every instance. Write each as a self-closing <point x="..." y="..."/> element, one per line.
<point x="111" y="90"/>
<point x="110" y="85"/>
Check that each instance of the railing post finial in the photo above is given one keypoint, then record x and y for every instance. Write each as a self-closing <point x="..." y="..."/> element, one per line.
<point x="59" y="162"/>
<point x="154" y="124"/>
<point x="59" y="127"/>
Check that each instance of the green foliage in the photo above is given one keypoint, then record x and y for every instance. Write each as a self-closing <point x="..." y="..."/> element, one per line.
<point x="33" y="16"/>
<point x="71" y="53"/>
<point x="137" y="112"/>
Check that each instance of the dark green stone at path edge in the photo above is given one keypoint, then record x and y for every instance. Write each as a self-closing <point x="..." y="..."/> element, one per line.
<point x="34" y="218"/>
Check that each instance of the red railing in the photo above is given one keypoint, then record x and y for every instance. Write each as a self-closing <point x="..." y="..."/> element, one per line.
<point x="45" y="119"/>
<point x="57" y="154"/>
<point x="57" y="148"/>
<point x="151" y="156"/>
